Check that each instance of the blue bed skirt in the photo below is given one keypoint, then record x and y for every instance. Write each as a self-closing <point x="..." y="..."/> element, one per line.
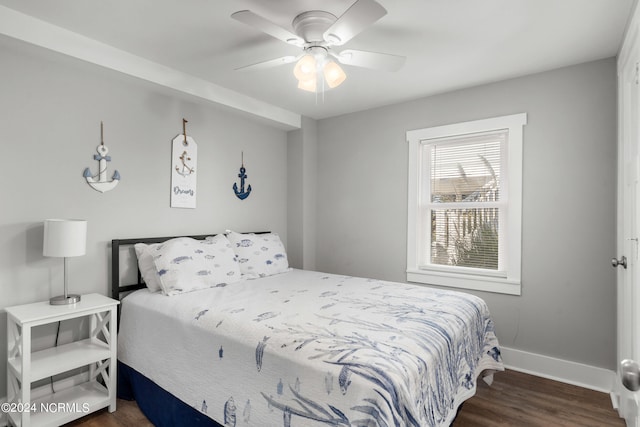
<point x="159" y="406"/>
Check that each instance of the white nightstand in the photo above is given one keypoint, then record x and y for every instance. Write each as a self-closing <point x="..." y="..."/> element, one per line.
<point x="24" y="367"/>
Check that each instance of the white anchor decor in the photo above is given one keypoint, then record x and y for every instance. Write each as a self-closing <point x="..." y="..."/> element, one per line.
<point x="241" y="193"/>
<point x="184" y="157"/>
<point x="102" y="184"/>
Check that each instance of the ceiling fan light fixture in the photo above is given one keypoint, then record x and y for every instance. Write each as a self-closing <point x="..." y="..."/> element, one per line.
<point x="309" y="84"/>
<point x="334" y="74"/>
<point x="305" y="68"/>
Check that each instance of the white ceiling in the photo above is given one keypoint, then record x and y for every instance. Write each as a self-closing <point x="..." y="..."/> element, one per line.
<point x="449" y="44"/>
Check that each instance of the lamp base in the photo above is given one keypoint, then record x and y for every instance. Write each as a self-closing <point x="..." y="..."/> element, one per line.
<point x="64" y="300"/>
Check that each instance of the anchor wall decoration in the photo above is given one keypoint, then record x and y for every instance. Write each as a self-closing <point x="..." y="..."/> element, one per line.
<point x="101" y="184"/>
<point x="184" y="158"/>
<point x="241" y="194"/>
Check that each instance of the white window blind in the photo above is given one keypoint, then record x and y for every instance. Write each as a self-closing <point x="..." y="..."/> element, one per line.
<point x="462" y="201"/>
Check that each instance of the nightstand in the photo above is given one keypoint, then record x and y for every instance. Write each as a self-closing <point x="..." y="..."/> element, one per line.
<point x="24" y="367"/>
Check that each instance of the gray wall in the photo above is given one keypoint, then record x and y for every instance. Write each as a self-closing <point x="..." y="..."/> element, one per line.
<point x="50" y="112"/>
<point x="302" y="187"/>
<point x="567" y="308"/>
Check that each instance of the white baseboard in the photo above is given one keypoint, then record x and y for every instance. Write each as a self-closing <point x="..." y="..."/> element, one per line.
<point x="574" y="373"/>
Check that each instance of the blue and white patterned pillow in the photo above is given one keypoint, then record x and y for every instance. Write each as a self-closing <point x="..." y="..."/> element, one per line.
<point x="186" y="265"/>
<point x="259" y="255"/>
<point x="147" y="266"/>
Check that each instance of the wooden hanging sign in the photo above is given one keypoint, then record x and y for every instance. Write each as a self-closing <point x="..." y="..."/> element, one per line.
<point x="184" y="158"/>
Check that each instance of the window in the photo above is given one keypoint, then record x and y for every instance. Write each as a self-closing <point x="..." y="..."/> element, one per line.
<point x="465" y="204"/>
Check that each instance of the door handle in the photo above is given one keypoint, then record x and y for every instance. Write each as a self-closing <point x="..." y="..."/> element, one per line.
<point x="619" y="262"/>
<point x="630" y="372"/>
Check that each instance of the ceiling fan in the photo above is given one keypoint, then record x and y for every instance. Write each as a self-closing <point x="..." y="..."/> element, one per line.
<point x="317" y="32"/>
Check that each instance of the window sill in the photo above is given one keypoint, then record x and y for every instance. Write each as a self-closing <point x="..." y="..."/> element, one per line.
<point x="465" y="281"/>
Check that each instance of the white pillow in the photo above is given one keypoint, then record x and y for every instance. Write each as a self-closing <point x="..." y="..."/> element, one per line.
<point x="147" y="266"/>
<point x="186" y="265"/>
<point x="259" y="255"/>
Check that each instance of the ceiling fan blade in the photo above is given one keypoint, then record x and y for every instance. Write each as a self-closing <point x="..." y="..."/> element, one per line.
<point x="269" y="64"/>
<point x="373" y="60"/>
<point x="268" y="27"/>
<point x="359" y="16"/>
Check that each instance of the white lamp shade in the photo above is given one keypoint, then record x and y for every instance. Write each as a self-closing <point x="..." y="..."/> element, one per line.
<point x="64" y="237"/>
<point x="308" y="84"/>
<point x="334" y="74"/>
<point x="305" y="68"/>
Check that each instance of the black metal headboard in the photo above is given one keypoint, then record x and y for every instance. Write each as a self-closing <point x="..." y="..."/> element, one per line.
<point x="116" y="288"/>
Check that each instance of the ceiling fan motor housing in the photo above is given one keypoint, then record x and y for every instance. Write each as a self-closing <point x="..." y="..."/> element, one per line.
<point x="311" y="25"/>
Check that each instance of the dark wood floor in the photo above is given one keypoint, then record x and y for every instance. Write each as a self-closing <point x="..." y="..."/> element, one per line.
<point x="517" y="399"/>
<point x="514" y="399"/>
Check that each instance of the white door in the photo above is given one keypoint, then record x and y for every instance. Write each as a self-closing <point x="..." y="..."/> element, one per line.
<point x="628" y="286"/>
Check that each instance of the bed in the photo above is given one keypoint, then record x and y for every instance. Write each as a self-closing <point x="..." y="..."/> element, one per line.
<point x="301" y="348"/>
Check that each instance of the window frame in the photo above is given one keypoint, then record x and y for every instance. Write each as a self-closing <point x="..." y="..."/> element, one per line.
<point x="507" y="281"/>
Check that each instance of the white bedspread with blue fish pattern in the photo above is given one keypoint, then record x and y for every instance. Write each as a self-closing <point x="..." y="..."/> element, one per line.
<point x="305" y="348"/>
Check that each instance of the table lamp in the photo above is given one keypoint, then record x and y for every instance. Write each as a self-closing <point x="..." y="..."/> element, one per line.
<point x="64" y="238"/>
